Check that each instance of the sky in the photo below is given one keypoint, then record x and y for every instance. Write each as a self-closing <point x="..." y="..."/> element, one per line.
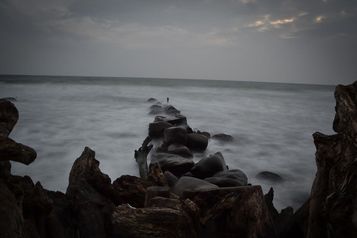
<point x="292" y="41"/>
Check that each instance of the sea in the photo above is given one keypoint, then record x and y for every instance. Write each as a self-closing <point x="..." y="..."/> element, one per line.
<point x="272" y="125"/>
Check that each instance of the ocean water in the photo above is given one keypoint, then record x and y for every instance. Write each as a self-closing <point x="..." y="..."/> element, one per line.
<point x="272" y="125"/>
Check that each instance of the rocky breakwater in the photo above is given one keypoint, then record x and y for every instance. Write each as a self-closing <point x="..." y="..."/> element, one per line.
<point x="181" y="191"/>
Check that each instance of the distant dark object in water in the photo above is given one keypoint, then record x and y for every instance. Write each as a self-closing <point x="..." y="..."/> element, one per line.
<point x="266" y="175"/>
<point x="152" y="100"/>
<point x="167" y="100"/>
<point x="223" y="137"/>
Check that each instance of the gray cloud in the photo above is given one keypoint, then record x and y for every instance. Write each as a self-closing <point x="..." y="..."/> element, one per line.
<point x="289" y="41"/>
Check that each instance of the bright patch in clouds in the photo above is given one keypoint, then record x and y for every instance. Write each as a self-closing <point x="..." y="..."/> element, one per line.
<point x="320" y="19"/>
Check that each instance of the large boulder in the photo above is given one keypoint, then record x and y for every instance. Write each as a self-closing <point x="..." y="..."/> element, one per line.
<point x="233" y="212"/>
<point x="91" y="191"/>
<point x="176" y="120"/>
<point x="229" y="178"/>
<point x="11" y="150"/>
<point x="175" y="164"/>
<point x="175" y="135"/>
<point x="223" y="137"/>
<point x="209" y="166"/>
<point x="130" y="189"/>
<point x="8" y="117"/>
<point x="189" y="184"/>
<point x="156" y="129"/>
<point x="332" y="204"/>
<point x="155" y="222"/>
<point x="179" y="150"/>
<point x="269" y="176"/>
<point x="197" y="142"/>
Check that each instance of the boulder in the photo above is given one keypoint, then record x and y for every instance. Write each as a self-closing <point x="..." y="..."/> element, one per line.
<point x="10" y="150"/>
<point x="175" y="135"/>
<point x="185" y="184"/>
<point x="197" y="142"/>
<point x="156" y="191"/>
<point x="176" y="120"/>
<point x="11" y="219"/>
<point x="91" y="191"/>
<point x="8" y="117"/>
<point x="156" y="129"/>
<point x="270" y="176"/>
<point x="175" y="164"/>
<point x="170" y="178"/>
<point x="181" y="150"/>
<point x="156" y="109"/>
<point x="152" y="100"/>
<point x="152" y="222"/>
<point x="233" y="212"/>
<point x="229" y="178"/>
<point x="130" y="189"/>
<point x="223" y="137"/>
<point x="209" y="166"/>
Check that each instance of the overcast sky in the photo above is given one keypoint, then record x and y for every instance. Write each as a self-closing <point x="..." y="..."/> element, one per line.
<point x="301" y="41"/>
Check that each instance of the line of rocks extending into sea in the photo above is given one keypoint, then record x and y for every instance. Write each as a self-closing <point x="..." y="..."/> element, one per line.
<point x="176" y="197"/>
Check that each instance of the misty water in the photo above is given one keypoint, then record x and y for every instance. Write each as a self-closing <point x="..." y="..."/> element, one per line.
<point x="272" y="125"/>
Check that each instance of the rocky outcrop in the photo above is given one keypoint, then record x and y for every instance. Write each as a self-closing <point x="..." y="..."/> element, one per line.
<point x="209" y="166"/>
<point x="333" y="199"/>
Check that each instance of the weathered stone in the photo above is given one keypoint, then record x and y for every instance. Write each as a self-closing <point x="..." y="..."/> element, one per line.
<point x="176" y="120"/>
<point x="270" y="176"/>
<point x="179" y="150"/>
<point x="233" y="212"/>
<point x="197" y="142"/>
<point x="156" y="129"/>
<point x="8" y="117"/>
<point x="90" y="191"/>
<point x="223" y="137"/>
<point x="229" y="178"/>
<point x="131" y="190"/>
<point x="185" y="184"/>
<point x="209" y="166"/>
<point x="170" y="178"/>
<point x="175" y="135"/>
<point x="156" y="191"/>
<point x="10" y="150"/>
<point x="152" y="222"/>
<point x="11" y="219"/>
<point x="176" y="164"/>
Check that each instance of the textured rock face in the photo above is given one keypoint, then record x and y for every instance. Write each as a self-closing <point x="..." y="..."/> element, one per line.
<point x="333" y="200"/>
<point x="8" y="117"/>
<point x="152" y="222"/>
<point x="209" y="166"/>
<point x="91" y="192"/>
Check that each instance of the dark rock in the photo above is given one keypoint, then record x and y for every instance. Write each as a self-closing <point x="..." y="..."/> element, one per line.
<point x="11" y="219"/>
<point x="152" y="222"/>
<point x="233" y="212"/>
<point x="229" y="178"/>
<point x="179" y="150"/>
<point x="209" y="166"/>
<point x="90" y="190"/>
<point x="170" y="178"/>
<point x="175" y="135"/>
<point x="204" y="133"/>
<point x="270" y="176"/>
<point x="10" y="150"/>
<point x="176" y="120"/>
<point x="223" y="137"/>
<point x="130" y="189"/>
<point x="197" y="142"/>
<point x="5" y="169"/>
<point x="156" y="109"/>
<point x="8" y="117"/>
<point x="175" y="164"/>
<point x="156" y="129"/>
<point x="156" y="191"/>
<point x="185" y="184"/>
<point x="171" y="110"/>
<point x="152" y="100"/>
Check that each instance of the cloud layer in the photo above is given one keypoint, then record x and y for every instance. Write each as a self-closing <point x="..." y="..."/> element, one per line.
<point x="222" y="39"/>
